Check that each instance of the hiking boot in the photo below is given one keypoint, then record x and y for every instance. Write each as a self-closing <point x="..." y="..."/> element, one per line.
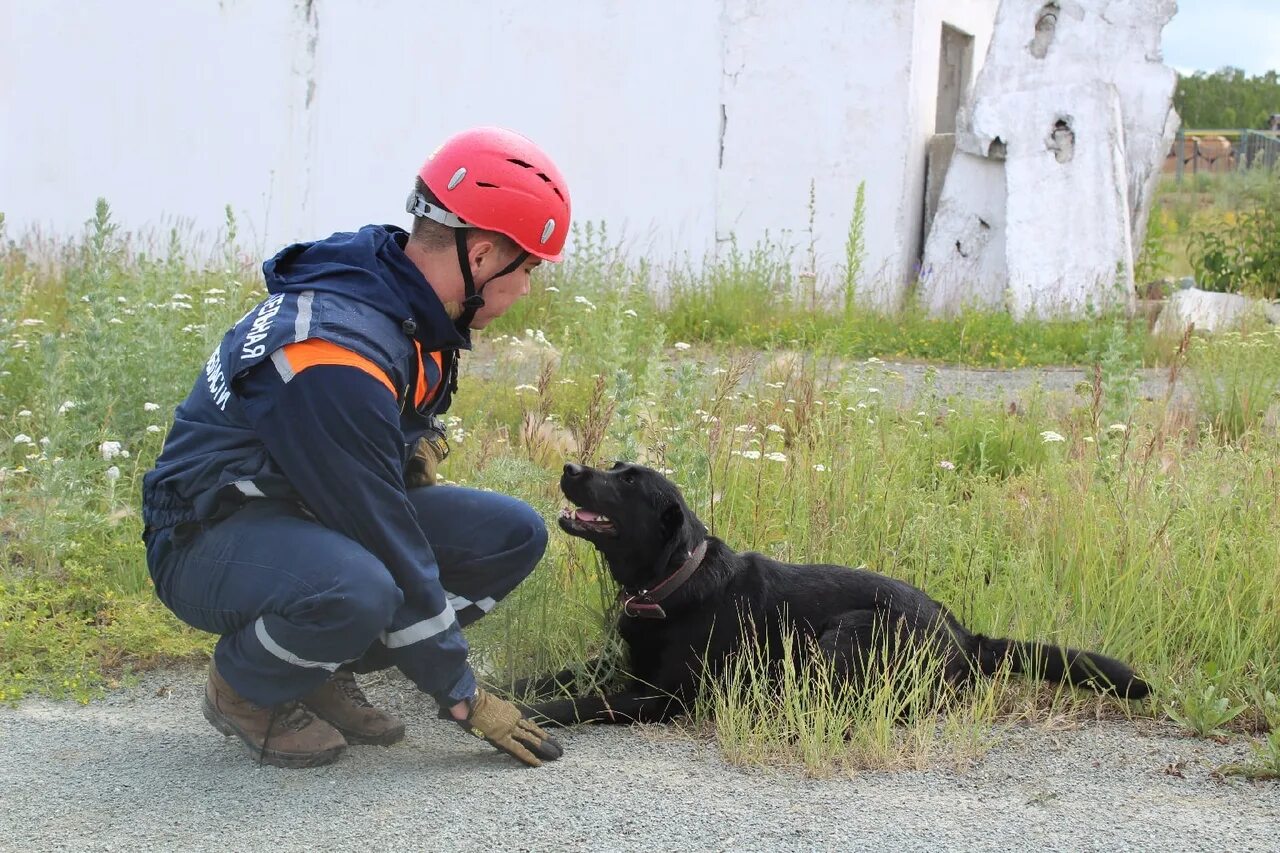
<point x="285" y="735"/>
<point x="342" y="704"/>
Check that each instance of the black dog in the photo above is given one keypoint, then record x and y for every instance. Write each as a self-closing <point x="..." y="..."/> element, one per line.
<point x="684" y="595"/>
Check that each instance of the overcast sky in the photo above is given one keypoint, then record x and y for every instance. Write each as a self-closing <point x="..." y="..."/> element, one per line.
<point x="1208" y="34"/>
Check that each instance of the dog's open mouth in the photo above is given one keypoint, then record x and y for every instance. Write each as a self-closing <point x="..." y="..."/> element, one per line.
<point x="576" y="519"/>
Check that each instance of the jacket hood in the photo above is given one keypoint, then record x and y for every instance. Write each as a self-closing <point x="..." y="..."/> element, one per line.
<point x="369" y="266"/>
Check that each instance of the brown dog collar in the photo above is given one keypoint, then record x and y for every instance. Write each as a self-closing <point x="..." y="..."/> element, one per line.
<point x="644" y="604"/>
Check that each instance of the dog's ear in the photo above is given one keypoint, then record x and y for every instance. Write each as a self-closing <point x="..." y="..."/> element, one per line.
<point x="672" y="519"/>
<point x="672" y="524"/>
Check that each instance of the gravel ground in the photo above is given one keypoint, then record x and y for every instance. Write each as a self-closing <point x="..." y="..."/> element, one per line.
<point x="141" y="770"/>
<point x="903" y="380"/>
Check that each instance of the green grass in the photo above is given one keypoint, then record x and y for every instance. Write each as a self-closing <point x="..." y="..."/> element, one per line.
<point x="1135" y="528"/>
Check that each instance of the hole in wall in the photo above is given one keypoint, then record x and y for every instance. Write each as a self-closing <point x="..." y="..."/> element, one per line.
<point x="997" y="149"/>
<point x="1062" y="140"/>
<point x="1046" y="27"/>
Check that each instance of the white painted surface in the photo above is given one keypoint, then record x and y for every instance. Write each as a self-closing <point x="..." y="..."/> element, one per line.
<point x="1209" y="312"/>
<point x="310" y="117"/>
<point x="1068" y="223"/>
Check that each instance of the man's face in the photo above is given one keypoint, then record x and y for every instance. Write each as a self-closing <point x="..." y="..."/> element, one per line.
<point x="501" y="293"/>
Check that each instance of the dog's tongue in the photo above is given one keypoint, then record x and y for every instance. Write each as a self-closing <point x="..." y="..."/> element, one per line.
<point x="586" y="515"/>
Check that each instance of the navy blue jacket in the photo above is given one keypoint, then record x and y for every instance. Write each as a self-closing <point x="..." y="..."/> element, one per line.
<point x="330" y="423"/>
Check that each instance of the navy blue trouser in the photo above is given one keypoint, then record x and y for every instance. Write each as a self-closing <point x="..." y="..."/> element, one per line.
<point x="269" y="578"/>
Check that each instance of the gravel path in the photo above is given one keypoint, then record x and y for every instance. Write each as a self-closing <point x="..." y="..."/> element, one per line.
<point x="907" y="379"/>
<point x="141" y="771"/>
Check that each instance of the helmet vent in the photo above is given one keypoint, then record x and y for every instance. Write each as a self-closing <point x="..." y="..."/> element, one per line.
<point x="487" y="185"/>
<point x="520" y="163"/>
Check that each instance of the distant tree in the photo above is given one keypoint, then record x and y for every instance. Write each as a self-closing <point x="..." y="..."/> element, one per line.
<point x="1227" y="98"/>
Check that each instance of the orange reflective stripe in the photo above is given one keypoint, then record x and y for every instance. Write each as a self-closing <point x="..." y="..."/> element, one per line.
<point x="424" y="391"/>
<point x="314" y="352"/>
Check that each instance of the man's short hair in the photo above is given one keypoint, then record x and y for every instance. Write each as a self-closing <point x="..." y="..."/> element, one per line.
<point x="433" y="236"/>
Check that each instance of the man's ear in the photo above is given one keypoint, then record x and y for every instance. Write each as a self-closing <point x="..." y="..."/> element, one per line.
<point x="481" y="253"/>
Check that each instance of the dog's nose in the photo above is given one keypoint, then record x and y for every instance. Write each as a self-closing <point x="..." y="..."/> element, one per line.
<point x="572" y="469"/>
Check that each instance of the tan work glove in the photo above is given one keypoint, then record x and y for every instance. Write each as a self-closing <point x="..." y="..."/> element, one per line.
<point x="502" y="725"/>
<point x="430" y="451"/>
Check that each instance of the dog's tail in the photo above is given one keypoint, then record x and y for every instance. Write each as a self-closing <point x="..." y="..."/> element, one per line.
<point x="1061" y="665"/>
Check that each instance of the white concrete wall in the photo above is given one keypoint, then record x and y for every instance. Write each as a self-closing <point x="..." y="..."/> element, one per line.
<point x="309" y="117"/>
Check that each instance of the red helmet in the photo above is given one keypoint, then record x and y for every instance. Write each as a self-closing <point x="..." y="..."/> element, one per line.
<point x="498" y="180"/>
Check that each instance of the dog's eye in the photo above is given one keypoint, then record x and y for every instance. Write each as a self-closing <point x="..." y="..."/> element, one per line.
<point x="628" y="478"/>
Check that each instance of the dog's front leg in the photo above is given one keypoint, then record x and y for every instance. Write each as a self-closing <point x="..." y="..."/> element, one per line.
<point x="630" y="706"/>
<point x="567" y="681"/>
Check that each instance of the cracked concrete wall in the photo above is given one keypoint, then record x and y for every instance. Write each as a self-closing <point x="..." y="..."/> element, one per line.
<point x="310" y="116"/>
<point x="1074" y="105"/>
<point x="836" y="93"/>
<point x="676" y="123"/>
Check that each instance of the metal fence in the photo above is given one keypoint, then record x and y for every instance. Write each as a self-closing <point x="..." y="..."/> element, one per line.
<point x="1257" y="150"/>
<point x="1217" y="152"/>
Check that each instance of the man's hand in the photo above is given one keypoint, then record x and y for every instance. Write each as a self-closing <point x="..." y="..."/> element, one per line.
<point x="502" y="725"/>
<point x="429" y="452"/>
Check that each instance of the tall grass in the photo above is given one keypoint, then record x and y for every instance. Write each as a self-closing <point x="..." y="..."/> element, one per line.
<point x="1155" y="539"/>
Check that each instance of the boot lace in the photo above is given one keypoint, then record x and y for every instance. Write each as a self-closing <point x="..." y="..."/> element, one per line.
<point x="346" y="683"/>
<point x="291" y="716"/>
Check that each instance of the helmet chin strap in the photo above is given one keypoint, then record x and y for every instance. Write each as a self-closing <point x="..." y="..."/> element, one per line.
<point x="473" y="301"/>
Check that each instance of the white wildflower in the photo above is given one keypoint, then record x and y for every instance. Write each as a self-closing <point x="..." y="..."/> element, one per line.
<point x="631" y="312"/>
<point x="25" y="413"/>
<point x="150" y="407"/>
<point x="520" y="388"/>
<point x="32" y="322"/>
<point x="1051" y="437"/>
<point x="582" y="300"/>
<point x="744" y="428"/>
<point x="113" y="473"/>
<point x="215" y="291"/>
<point x="947" y="465"/>
<point x="177" y="296"/>
<point x="115" y="321"/>
<point x="874" y="360"/>
<point x="122" y="300"/>
<point x="750" y="454"/>
<point x="1089" y="439"/>
<point x="873" y="390"/>
<point x="681" y="345"/>
<point x="1118" y="428"/>
<point x="109" y="449"/>
<point x="819" y="467"/>
<point x="774" y="428"/>
<point x="776" y="457"/>
<point x="66" y="406"/>
<point x="551" y="288"/>
<point x="46" y="441"/>
<point x="213" y="300"/>
<point x="152" y="428"/>
<point x="22" y="438"/>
